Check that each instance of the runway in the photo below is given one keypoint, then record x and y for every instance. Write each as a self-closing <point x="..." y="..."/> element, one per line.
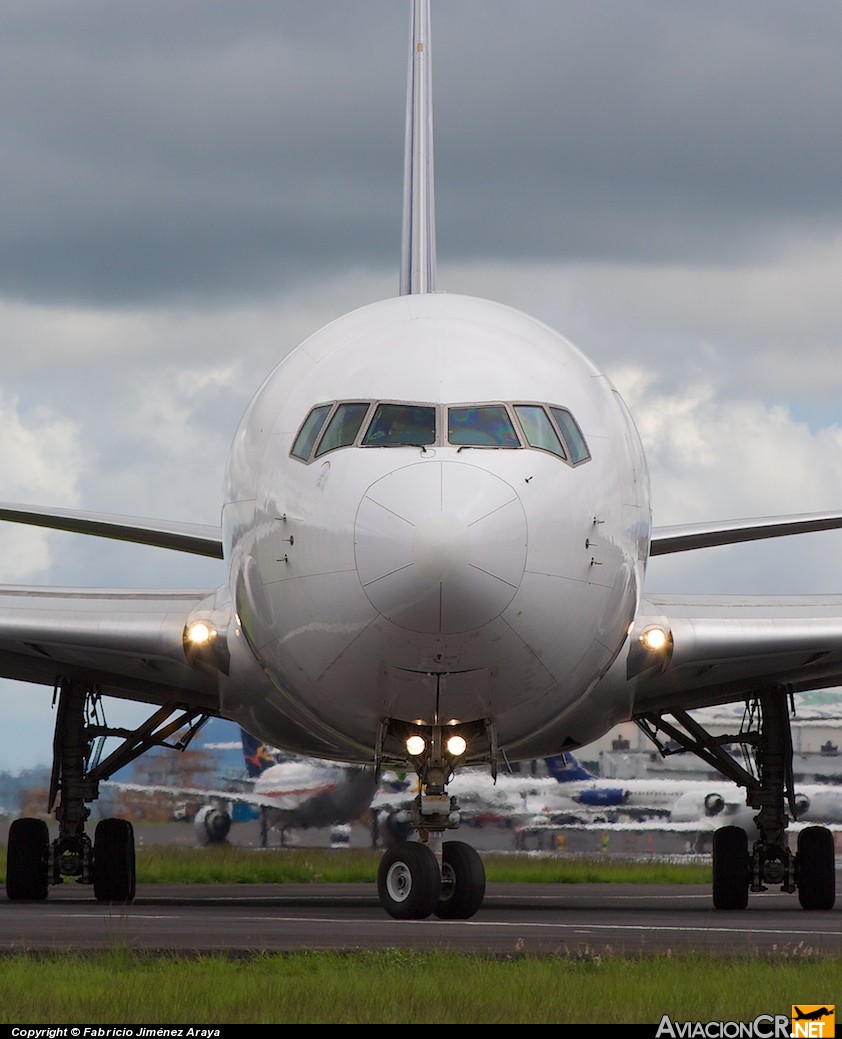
<point x="540" y="919"/>
<point x="576" y="919"/>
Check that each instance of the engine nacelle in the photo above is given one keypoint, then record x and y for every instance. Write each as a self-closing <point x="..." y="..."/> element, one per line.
<point x="714" y="803"/>
<point x="802" y="805"/>
<point x="212" y="825"/>
<point x="392" y="828"/>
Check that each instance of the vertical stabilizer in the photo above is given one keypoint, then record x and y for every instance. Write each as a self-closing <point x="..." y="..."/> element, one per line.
<point x="418" y="262"/>
<point x="256" y="755"/>
<point x="564" y="768"/>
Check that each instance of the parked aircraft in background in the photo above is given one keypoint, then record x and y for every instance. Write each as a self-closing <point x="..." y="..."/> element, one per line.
<point x="694" y="807"/>
<point x="636" y="798"/>
<point x="508" y="799"/>
<point x="703" y="810"/>
<point x="686" y="800"/>
<point x="288" y="792"/>
<point x="291" y="793"/>
<point x="436" y="525"/>
<point x="295" y="793"/>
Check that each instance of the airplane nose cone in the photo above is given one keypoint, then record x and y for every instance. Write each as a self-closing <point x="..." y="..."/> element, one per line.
<point x="440" y="546"/>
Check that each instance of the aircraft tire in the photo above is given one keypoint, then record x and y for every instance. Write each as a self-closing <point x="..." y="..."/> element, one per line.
<point x="27" y="856"/>
<point x="408" y="881"/>
<point x="816" y="868"/>
<point x="730" y="868"/>
<point x="114" y="861"/>
<point x="462" y="882"/>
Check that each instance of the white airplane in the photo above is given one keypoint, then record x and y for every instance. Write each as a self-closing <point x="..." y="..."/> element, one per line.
<point x="295" y="793"/>
<point x="709" y="807"/>
<point x="434" y="531"/>
<point x="697" y="807"/>
<point x="290" y="792"/>
<point x="508" y="799"/>
<point x="634" y="798"/>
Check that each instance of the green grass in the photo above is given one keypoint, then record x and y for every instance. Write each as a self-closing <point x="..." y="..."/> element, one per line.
<point x="160" y="864"/>
<point x="580" y="986"/>
<point x="398" y="987"/>
<point x="170" y="864"/>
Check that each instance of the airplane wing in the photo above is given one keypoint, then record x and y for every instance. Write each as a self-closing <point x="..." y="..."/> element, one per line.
<point x="701" y="827"/>
<point x="720" y="647"/>
<point x="206" y="540"/>
<point x="725" y="648"/>
<point x="196" y="538"/>
<point x="244" y="797"/>
<point x="689" y="536"/>
<point x="129" y="642"/>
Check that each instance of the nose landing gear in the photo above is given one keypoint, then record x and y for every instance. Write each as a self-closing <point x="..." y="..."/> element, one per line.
<point x="432" y="876"/>
<point x="413" y="883"/>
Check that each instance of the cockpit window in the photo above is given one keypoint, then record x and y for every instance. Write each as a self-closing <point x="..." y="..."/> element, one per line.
<point x="401" y="425"/>
<point x="538" y="429"/>
<point x="495" y="424"/>
<point x="481" y="425"/>
<point x="343" y="427"/>
<point x="572" y="434"/>
<point x="309" y="431"/>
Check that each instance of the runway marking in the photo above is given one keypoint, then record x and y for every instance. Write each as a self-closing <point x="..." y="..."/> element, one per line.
<point x="704" y="895"/>
<point x="743" y="931"/>
<point x="549" y="925"/>
<point x="122" y="917"/>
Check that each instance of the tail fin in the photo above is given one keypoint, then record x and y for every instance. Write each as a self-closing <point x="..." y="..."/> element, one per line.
<point x="418" y="260"/>
<point x="256" y="755"/>
<point x="566" y="769"/>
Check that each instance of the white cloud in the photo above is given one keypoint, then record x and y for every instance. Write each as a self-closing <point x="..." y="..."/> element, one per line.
<point x="714" y="458"/>
<point x="40" y="458"/>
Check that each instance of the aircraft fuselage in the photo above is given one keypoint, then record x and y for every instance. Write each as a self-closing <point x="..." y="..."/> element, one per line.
<point x="435" y="582"/>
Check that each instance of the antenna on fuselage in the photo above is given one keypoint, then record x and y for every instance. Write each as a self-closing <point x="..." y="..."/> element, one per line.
<point x="418" y="260"/>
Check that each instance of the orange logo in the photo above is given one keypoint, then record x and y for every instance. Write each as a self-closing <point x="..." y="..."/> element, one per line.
<point x="813" y="1021"/>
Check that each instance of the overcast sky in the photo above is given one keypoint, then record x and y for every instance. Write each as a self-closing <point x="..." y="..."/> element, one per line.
<point x="189" y="189"/>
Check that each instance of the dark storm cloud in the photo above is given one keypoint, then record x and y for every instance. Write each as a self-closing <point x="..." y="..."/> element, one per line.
<point x="158" y="151"/>
<point x="645" y="130"/>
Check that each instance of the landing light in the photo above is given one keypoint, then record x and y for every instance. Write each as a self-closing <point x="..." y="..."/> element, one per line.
<point x="205" y="646"/>
<point x="200" y="633"/>
<point x="653" y="648"/>
<point x="653" y="638"/>
<point x="456" y="746"/>
<point x="415" y="746"/>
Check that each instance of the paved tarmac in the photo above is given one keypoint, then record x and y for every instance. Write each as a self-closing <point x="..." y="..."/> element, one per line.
<point x="580" y="919"/>
<point x="576" y="919"/>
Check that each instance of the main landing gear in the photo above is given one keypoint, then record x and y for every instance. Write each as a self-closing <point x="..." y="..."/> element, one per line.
<point x="740" y="868"/>
<point x="33" y="862"/>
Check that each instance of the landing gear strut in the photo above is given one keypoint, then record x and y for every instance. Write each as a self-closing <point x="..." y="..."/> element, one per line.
<point x="738" y="869"/>
<point x="108" y="863"/>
